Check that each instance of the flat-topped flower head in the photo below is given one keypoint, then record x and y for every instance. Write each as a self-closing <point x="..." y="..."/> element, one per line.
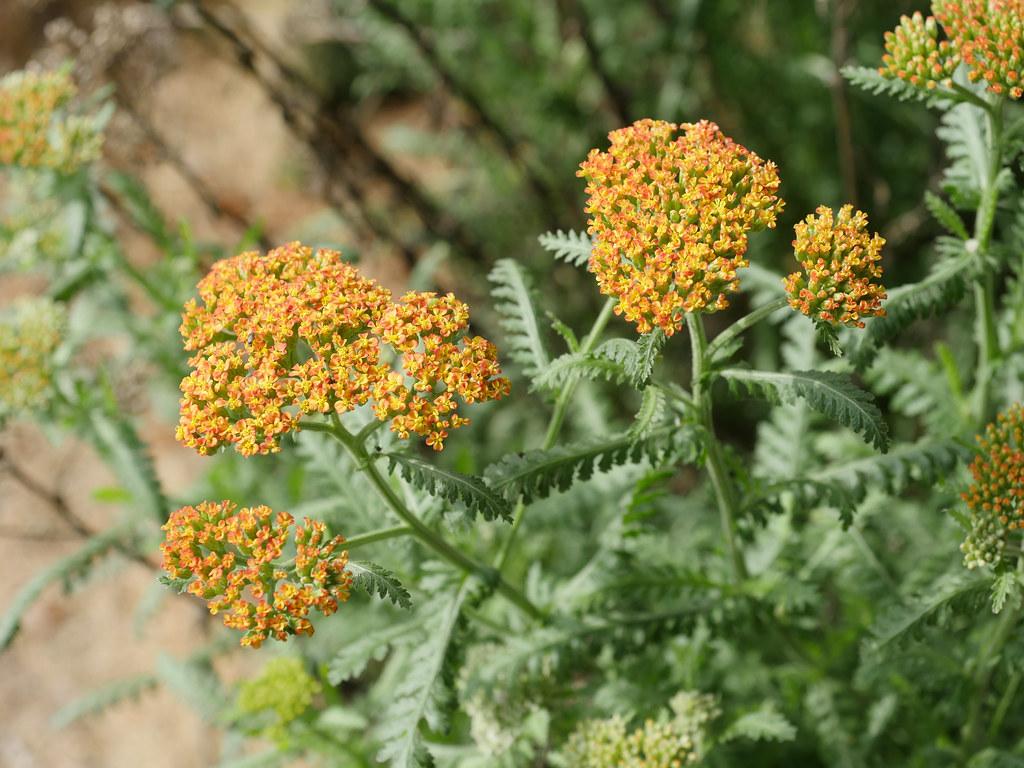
<point x="670" y="210"/>
<point x="232" y="559"/>
<point x="31" y="331"/>
<point x="299" y="332"/>
<point x="841" y="268"/>
<point x="987" y="36"/>
<point x="995" y="497"/>
<point x="35" y="129"/>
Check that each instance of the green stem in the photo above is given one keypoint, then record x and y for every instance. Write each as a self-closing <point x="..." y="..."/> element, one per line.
<point x="983" y="676"/>
<point x="382" y="534"/>
<point x="424" y="533"/>
<point x="986" y="334"/>
<point x="555" y="426"/>
<point x="715" y="462"/>
<point x="722" y="340"/>
<point x="565" y="396"/>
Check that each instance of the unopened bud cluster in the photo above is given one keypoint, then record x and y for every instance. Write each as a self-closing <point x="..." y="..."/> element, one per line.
<point x="986" y="36"/>
<point x="995" y="497"/>
<point x="31" y="331"/>
<point x="233" y="559"/>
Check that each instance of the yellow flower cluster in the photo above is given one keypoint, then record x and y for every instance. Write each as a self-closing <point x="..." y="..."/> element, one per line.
<point x="298" y="332"/>
<point x="30" y="333"/>
<point x="987" y="36"/>
<point x="670" y="210"/>
<point x="284" y="691"/>
<point x="231" y="558"/>
<point x="35" y="131"/>
<point x="841" y="264"/>
<point x="663" y="743"/>
<point x="995" y="497"/>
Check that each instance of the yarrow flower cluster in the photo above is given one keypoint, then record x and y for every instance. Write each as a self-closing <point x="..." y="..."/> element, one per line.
<point x="841" y="262"/>
<point x="987" y="36"/>
<point x="31" y="332"/>
<point x="282" y="692"/>
<point x="232" y="559"/>
<point x="36" y="131"/>
<point x="670" y="210"/>
<point x="662" y="743"/>
<point x="995" y="497"/>
<point x="299" y="332"/>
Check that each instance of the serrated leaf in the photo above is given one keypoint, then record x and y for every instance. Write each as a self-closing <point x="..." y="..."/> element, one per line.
<point x="1005" y="588"/>
<point x="62" y="570"/>
<point x="763" y="724"/>
<point x="103" y="698"/>
<point x="872" y="80"/>
<point x="571" y="247"/>
<point x="514" y="301"/>
<point x="352" y="659"/>
<point x="538" y="474"/>
<point x="378" y="581"/>
<point x="195" y="683"/>
<point x="570" y="368"/>
<point x="831" y="394"/>
<point x="454" y="487"/>
<point x="945" y="215"/>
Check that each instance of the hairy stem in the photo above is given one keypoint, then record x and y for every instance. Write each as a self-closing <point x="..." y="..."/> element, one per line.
<point x="365" y="463"/>
<point x="986" y="335"/>
<point x="382" y="534"/>
<point x="726" y="337"/>
<point x="725" y="493"/>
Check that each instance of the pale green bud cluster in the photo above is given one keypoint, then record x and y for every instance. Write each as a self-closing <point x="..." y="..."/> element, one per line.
<point x="31" y="332"/>
<point x="283" y="689"/>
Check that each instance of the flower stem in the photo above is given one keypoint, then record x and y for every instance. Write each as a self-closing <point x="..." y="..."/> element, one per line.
<point x="365" y="463"/>
<point x="722" y="340"/>
<point x="555" y="425"/>
<point x="382" y="534"/>
<point x="724" y="491"/>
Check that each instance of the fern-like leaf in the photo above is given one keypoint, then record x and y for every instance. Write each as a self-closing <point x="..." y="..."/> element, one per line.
<point x="765" y="723"/>
<point x="351" y="661"/>
<point x="454" y="487"/>
<point x="538" y="474"/>
<point x="872" y="80"/>
<point x="832" y="394"/>
<point x="378" y="581"/>
<point x="572" y="367"/>
<point x="514" y="298"/>
<point x="425" y="696"/>
<point x="938" y="292"/>
<point x="944" y="213"/>
<point x="64" y="570"/>
<point x="102" y="699"/>
<point x="571" y="247"/>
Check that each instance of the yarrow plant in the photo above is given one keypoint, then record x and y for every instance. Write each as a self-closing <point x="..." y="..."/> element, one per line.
<point x="624" y="562"/>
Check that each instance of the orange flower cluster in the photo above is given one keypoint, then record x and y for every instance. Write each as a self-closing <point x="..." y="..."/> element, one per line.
<point x="841" y="265"/>
<point x="229" y="558"/>
<point x="33" y="134"/>
<point x="670" y="209"/>
<point x="298" y="332"/>
<point x="985" y="35"/>
<point x="995" y="497"/>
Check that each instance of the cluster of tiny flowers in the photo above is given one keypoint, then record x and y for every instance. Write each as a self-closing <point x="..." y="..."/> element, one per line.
<point x="497" y="716"/>
<point x="35" y="131"/>
<point x="30" y="333"/>
<point x="987" y="36"/>
<point x="841" y="264"/>
<point x="231" y="558"/>
<point x="995" y="496"/>
<point x="670" y="210"/>
<point x="299" y="332"/>
<point x="283" y="689"/>
<point x="663" y="743"/>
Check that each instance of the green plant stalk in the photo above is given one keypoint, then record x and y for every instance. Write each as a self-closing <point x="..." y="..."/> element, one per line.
<point x="425" y="534"/>
<point x="722" y="340"/>
<point x="382" y="534"/>
<point x="724" y="491"/>
<point x="555" y="426"/>
<point x="986" y="334"/>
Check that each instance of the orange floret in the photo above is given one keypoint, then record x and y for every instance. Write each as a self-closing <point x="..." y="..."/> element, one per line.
<point x="231" y="559"/>
<point x="841" y="264"/>
<point x="299" y="332"/>
<point x="670" y="209"/>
